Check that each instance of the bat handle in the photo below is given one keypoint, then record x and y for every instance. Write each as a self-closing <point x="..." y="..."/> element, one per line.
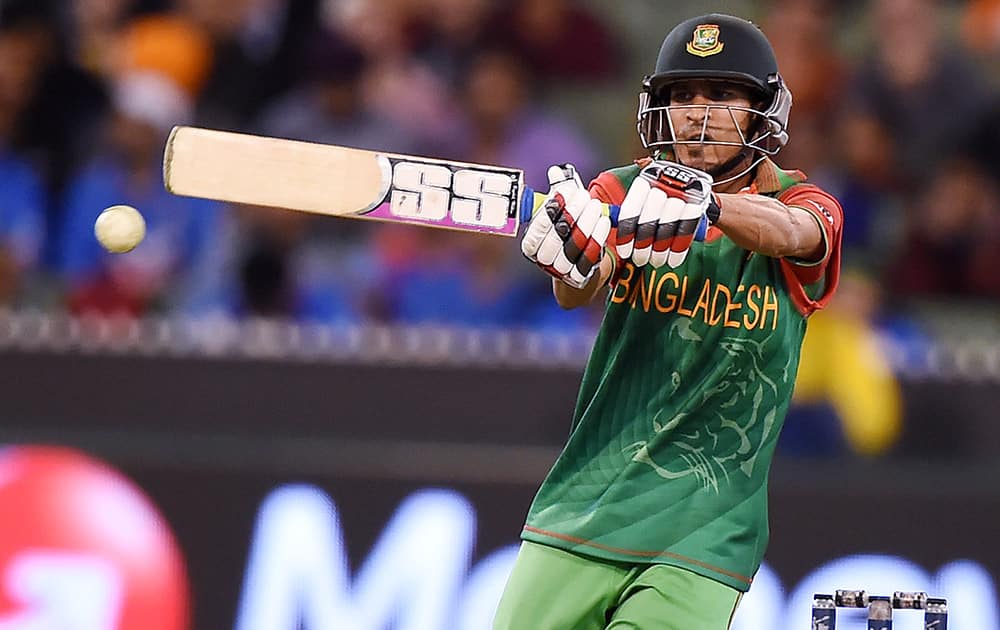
<point x="531" y="198"/>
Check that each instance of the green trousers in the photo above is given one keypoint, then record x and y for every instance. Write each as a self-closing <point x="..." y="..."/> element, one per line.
<point x="552" y="589"/>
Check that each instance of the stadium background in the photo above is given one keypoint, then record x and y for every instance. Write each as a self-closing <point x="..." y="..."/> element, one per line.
<point x="248" y="371"/>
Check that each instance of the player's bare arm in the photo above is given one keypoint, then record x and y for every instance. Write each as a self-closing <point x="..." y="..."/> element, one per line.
<point x="767" y="226"/>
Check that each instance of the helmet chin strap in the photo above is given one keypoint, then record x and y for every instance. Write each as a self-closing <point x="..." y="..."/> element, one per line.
<point x="731" y="163"/>
<point x="728" y="167"/>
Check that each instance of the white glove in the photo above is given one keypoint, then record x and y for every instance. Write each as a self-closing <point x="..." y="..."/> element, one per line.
<point x="667" y="207"/>
<point x="568" y="232"/>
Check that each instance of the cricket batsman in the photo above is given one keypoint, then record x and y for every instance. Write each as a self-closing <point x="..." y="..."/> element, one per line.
<point x="654" y="516"/>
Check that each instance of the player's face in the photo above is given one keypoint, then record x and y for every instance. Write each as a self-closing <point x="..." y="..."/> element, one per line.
<point x="689" y="102"/>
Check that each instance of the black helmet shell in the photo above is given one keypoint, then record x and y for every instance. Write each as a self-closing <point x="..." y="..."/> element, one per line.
<point x="716" y="46"/>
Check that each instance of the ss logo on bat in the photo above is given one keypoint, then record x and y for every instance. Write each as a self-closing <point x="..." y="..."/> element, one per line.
<point x="468" y="196"/>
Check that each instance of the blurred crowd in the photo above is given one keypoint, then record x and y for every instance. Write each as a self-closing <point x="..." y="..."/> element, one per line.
<point x="89" y="90"/>
<point x="900" y="121"/>
<point x="896" y="112"/>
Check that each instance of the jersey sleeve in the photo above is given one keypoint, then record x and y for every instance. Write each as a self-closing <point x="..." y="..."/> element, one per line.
<point x="812" y="283"/>
<point x="608" y="189"/>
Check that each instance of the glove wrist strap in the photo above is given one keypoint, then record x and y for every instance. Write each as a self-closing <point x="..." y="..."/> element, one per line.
<point x="714" y="209"/>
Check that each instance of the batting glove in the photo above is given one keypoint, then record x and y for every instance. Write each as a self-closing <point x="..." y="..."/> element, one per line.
<point x="567" y="235"/>
<point x="667" y="207"/>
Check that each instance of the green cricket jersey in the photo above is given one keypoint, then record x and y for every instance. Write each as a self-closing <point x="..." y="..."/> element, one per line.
<point x="683" y="398"/>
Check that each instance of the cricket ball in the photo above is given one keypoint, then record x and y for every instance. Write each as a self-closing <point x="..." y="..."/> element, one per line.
<point x="120" y="228"/>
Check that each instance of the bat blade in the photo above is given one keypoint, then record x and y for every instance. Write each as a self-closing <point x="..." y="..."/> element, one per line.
<point x="346" y="182"/>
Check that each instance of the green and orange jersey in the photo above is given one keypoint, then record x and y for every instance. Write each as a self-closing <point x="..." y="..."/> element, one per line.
<point x="683" y="398"/>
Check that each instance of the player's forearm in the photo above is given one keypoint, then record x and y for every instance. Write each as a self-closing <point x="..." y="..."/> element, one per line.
<point x="767" y="226"/>
<point x="570" y="298"/>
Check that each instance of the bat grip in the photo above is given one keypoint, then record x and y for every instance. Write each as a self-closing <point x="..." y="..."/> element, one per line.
<point x="530" y="198"/>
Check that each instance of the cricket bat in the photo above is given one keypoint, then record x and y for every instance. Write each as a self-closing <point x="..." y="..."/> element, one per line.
<point x="346" y="182"/>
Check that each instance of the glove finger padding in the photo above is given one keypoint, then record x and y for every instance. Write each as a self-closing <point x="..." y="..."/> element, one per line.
<point x="564" y="180"/>
<point x="666" y="230"/>
<point x="585" y="215"/>
<point x="538" y="228"/>
<point x="687" y="226"/>
<point x="628" y="217"/>
<point x="542" y="244"/>
<point x="588" y="241"/>
<point x="564" y="186"/>
<point x="699" y="196"/>
<point x="551" y="247"/>
<point x="649" y="221"/>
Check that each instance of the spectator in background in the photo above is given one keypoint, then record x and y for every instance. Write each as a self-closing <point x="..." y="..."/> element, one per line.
<point x="922" y="89"/>
<point x="397" y="85"/>
<point x="256" y="46"/>
<point x="952" y="246"/>
<point x="862" y="174"/>
<point x="168" y="44"/>
<point x="181" y="232"/>
<point x="846" y="398"/>
<point x="378" y="28"/>
<point x="802" y="37"/>
<point x="985" y="147"/>
<point x="92" y="31"/>
<point x="22" y="226"/>
<point x="60" y="104"/>
<point x="465" y="280"/>
<point x="287" y="265"/>
<point x="503" y="126"/>
<point x="446" y="35"/>
<point x="329" y="106"/>
<point x="22" y="195"/>
<point x="440" y="277"/>
<point x="560" y="39"/>
<point x="981" y="28"/>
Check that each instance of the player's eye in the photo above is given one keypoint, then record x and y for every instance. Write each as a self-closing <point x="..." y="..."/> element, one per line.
<point x="723" y="94"/>
<point x="681" y="95"/>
